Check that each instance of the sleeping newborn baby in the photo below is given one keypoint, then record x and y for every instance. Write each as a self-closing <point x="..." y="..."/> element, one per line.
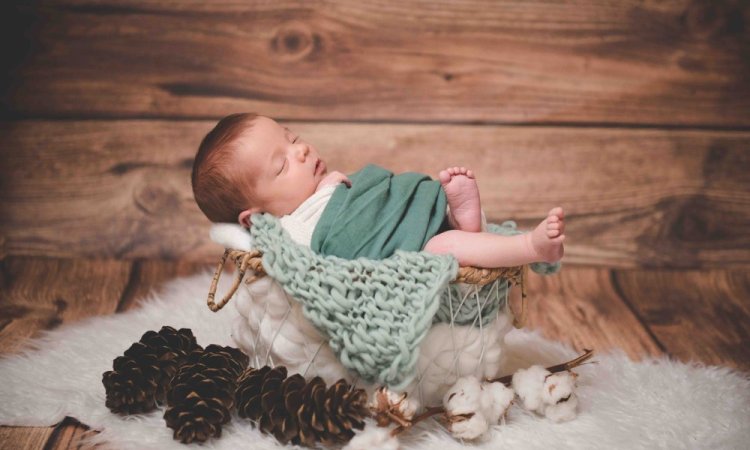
<point x="250" y="164"/>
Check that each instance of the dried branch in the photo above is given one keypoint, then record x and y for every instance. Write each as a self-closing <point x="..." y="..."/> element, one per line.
<point x="506" y="380"/>
<point x="430" y="411"/>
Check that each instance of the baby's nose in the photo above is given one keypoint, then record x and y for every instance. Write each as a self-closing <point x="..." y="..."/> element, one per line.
<point x="302" y="154"/>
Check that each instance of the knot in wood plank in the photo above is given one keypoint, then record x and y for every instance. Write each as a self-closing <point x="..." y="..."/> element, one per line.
<point x="295" y="41"/>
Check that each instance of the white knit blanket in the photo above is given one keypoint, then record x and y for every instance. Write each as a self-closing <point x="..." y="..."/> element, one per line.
<point x="622" y="404"/>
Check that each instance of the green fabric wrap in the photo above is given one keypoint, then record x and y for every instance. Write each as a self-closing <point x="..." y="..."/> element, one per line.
<point x="379" y="214"/>
<point x="375" y="313"/>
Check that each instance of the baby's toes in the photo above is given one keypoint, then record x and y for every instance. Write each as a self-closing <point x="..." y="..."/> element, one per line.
<point x="469" y="173"/>
<point x="444" y="176"/>
<point x="557" y="211"/>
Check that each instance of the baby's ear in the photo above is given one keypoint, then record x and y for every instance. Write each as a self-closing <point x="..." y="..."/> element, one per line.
<point x="244" y="217"/>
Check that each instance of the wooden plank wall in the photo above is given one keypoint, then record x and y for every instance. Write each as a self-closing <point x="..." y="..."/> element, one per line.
<point x="633" y="115"/>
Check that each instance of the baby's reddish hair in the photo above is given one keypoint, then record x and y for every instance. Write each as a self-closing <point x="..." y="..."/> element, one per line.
<point x="217" y="193"/>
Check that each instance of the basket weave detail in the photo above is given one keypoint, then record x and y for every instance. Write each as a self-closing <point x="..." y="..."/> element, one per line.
<point x="252" y="260"/>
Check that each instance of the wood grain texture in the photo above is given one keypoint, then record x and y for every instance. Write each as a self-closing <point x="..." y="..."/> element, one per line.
<point x="701" y="316"/>
<point x="580" y="306"/>
<point x="149" y="275"/>
<point x="24" y="438"/>
<point x="70" y="434"/>
<point x="633" y="198"/>
<point x="678" y="62"/>
<point x="40" y="294"/>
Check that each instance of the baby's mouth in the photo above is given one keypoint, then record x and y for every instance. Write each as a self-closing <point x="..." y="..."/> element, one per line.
<point x="320" y="167"/>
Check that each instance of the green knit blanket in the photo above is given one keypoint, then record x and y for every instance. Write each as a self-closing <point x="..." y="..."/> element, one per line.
<point x="375" y="313"/>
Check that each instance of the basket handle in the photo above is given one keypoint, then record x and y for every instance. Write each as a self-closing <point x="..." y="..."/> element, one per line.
<point x="242" y="260"/>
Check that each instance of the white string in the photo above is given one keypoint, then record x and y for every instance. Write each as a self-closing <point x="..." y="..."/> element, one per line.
<point x="283" y="322"/>
<point x="354" y="382"/>
<point x="315" y="356"/>
<point x="453" y="339"/>
<point x="481" y="330"/>
<point x="456" y="353"/>
<point x="419" y="387"/>
<point x="452" y="325"/>
<point x="478" y="316"/>
<point x="258" y="333"/>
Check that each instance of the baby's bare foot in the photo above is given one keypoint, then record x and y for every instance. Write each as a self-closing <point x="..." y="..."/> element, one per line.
<point x="546" y="240"/>
<point x="463" y="198"/>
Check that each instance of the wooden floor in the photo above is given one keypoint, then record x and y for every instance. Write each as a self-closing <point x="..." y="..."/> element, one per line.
<point x="643" y="312"/>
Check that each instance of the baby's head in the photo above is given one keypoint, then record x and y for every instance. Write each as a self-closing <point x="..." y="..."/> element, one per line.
<point x="250" y="164"/>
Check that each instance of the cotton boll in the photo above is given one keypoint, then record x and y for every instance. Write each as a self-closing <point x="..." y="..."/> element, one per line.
<point x="463" y="397"/>
<point x="463" y="408"/>
<point x="409" y="406"/>
<point x="495" y="400"/>
<point x="386" y="396"/>
<point x="528" y="384"/>
<point x="558" y="386"/>
<point x="373" y="437"/>
<point x="471" y="428"/>
<point x="388" y="406"/>
<point x="562" y="411"/>
<point x="405" y="405"/>
<point x="559" y="398"/>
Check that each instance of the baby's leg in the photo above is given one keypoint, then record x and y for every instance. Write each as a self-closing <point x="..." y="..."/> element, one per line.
<point x="463" y="198"/>
<point x="544" y="243"/>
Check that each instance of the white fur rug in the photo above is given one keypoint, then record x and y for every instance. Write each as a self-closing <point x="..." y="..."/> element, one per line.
<point x="622" y="404"/>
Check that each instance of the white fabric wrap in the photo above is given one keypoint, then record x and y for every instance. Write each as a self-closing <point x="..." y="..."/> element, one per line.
<point x="301" y="222"/>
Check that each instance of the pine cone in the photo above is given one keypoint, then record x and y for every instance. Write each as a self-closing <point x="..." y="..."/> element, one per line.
<point x="202" y="394"/>
<point x="141" y="377"/>
<point x="300" y="412"/>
